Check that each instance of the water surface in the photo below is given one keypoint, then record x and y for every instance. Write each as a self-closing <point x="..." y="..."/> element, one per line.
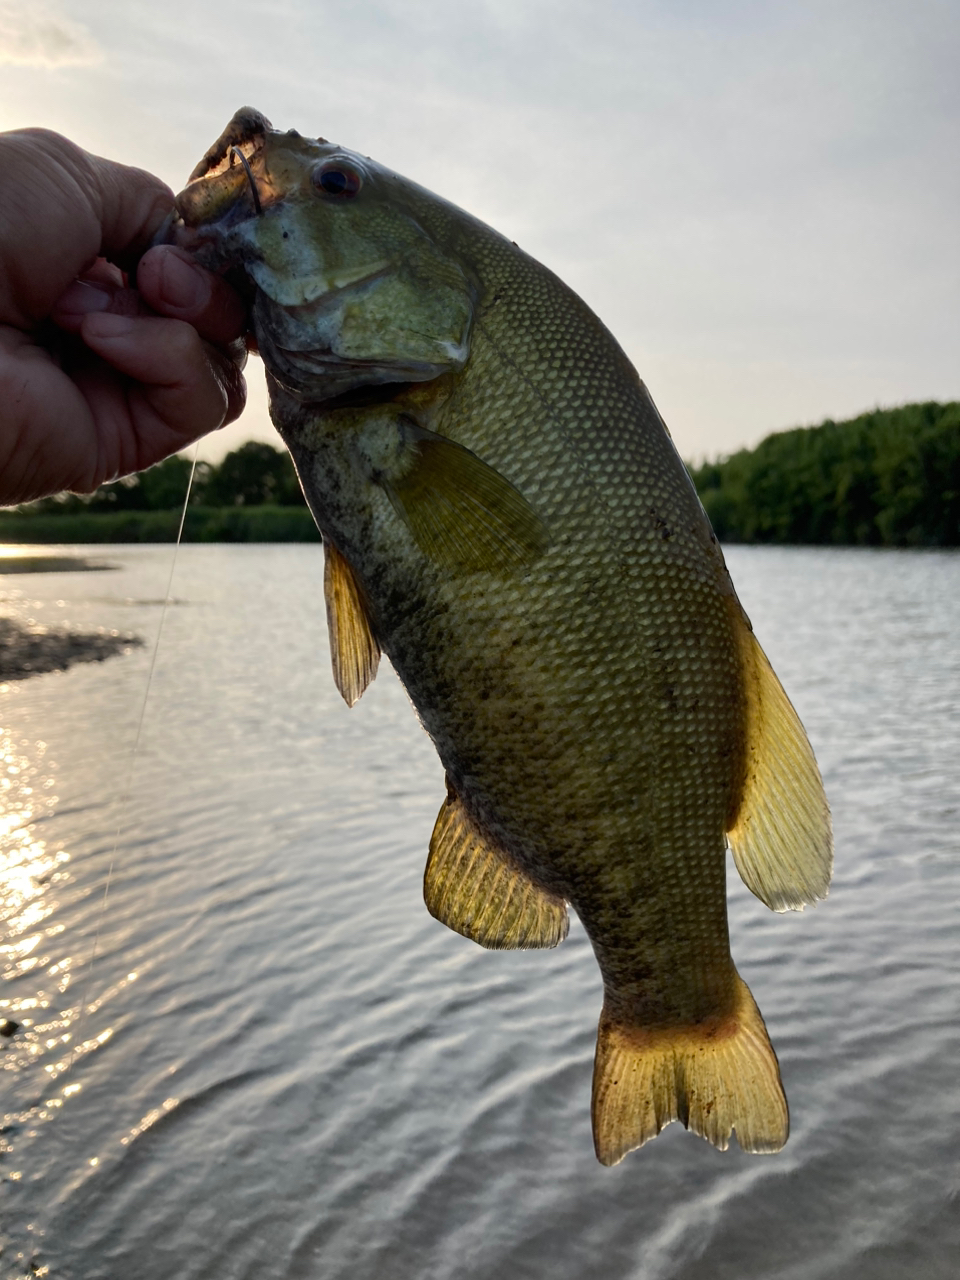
<point x="278" y="1065"/>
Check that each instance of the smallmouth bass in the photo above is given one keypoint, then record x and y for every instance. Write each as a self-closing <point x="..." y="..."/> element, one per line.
<point x="504" y="515"/>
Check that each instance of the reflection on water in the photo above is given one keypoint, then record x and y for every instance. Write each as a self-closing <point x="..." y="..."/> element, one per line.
<point x="35" y="953"/>
<point x="29" y="872"/>
<point x="280" y="1066"/>
<point x="30" y="877"/>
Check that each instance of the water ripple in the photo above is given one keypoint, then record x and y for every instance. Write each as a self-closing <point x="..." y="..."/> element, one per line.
<point x="286" y="1068"/>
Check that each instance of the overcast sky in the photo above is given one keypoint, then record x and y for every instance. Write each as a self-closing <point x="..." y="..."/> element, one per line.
<point x="760" y="199"/>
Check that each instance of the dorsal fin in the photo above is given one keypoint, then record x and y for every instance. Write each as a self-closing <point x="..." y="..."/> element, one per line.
<point x="474" y="889"/>
<point x="354" y="652"/>
<point x="781" y="836"/>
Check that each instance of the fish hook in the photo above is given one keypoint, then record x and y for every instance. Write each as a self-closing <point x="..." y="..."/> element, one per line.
<point x="235" y="151"/>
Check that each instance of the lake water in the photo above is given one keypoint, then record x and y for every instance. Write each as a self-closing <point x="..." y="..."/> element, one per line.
<point x="278" y="1065"/>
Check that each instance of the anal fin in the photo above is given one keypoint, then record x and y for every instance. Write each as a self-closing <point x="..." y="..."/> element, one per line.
<point x="717" y="1078"/>
<point x="781" y="835"/>
<point x="473" y="888"/>
<point x="354" y="652"/>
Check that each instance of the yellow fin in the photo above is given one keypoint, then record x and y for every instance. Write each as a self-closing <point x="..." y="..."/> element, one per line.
<point x="715" y="1077"/>
<point x="781" y="837"/>
<point x="473" y="889"/>
<point x="461" y="512"/>
<point x="353" y="650"/>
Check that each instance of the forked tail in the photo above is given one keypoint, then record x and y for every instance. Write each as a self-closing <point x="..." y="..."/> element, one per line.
<point x="715" y="1077"/>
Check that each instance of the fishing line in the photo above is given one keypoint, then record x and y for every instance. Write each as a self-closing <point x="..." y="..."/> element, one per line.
<point x="235" y="151"/>
<point x="127" y="791"/>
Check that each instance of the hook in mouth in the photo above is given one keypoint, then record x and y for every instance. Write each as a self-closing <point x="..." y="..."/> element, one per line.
<point x="235" y="151"/>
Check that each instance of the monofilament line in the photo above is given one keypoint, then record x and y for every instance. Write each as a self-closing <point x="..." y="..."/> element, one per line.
<point x="127" y="790"/>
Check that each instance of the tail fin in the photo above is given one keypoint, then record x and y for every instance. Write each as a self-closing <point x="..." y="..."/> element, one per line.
<point x="714" y="1077"/>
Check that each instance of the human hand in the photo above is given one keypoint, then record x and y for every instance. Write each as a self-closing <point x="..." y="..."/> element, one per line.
<point x="97" y="379"/>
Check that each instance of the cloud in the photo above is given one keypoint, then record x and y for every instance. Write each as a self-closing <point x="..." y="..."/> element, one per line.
<point x="39" y="35"/>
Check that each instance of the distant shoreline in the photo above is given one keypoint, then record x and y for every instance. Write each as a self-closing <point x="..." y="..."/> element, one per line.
<point x="203" y="524"/>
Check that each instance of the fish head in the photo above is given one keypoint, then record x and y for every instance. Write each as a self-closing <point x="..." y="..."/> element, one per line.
<point x="350" y="279"/>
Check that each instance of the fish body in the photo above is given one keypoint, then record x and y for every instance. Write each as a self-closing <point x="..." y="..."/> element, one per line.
<point x="505" y="516"/>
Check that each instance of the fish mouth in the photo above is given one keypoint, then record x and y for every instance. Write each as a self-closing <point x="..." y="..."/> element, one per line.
<point x="248" y="127"/>
<point x="223" y="188"/>
<point x="235" y="152"/>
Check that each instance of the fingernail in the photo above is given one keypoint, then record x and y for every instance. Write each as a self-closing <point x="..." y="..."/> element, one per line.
<point x="107" y="325"/>
<point x="181" y="284"/>
<point x="82" y="299"/>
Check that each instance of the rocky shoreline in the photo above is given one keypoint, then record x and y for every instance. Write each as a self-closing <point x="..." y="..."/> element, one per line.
<point x="33" y="650"/>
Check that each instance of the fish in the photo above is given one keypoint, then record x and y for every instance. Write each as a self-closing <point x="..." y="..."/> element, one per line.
<point x="505" y="516"/>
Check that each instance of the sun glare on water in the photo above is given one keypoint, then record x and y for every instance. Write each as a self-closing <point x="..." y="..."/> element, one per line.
<point x="38" y="1013"/>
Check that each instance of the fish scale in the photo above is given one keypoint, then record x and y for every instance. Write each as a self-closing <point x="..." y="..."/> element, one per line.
<point x="506" y="517"/>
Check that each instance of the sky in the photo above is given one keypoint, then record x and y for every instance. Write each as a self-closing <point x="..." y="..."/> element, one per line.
<point x="761" y="200"/>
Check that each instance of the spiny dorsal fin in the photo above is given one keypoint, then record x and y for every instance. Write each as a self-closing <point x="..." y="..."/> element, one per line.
<point x="781" y="838"/>
<point x="461" y="512"/>
<point x="472" y="888"/>
<point x="353" y="650"/>
<point x="716" y="1078"/>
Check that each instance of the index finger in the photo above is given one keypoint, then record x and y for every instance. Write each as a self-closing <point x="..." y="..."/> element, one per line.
<point x="60" y="209"/>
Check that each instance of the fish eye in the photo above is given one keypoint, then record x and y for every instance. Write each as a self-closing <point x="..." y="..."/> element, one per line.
<point x="337" y="180"/>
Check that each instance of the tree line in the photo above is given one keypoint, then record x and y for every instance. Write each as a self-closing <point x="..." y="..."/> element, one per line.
<point x="890" y="477"/>
<point x="254" y="475"/>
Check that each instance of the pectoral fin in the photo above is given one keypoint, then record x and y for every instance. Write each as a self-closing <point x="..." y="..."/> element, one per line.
<point x="781" y="837"/>
<point x="353" y="650"/>
<point x="472" y="888"/>
<point x="461" y="512"/>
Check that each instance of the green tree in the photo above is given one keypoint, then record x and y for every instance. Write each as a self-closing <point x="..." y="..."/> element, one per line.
<point x="253" y="475"/>
<point x="890" y="477"/>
